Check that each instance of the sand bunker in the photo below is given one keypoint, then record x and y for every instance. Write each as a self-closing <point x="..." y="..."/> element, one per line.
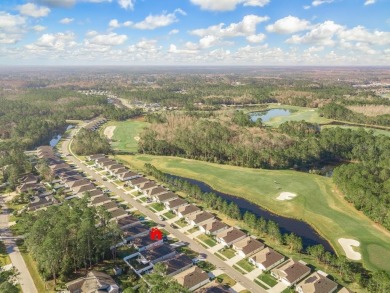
<point x="137" y="138"/>
<point x="347" y="246"/>
<point x="109" y="131"/>
<point x="286" y="196"/>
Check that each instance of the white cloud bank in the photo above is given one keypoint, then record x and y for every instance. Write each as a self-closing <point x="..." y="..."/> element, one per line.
<point x="227" y="5"/>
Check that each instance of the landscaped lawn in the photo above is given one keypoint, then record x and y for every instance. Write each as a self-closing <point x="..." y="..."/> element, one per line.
<point x="182" y="223"/>
<point x="268" y="279"/>
<point x="142" y="199"/>
<point x="187" y="251"/>
<point x="125" y="250"/>
<point x="206" y="266"/>
<point x="317" y="201"/>
<point x="288" y="290"/>
<point x="207" y="239"/>
<point x="227" y="252"/>
<point x="125" y="134"/>
<point x="169" y="215"/>
<point x="4" y="258"/>
<point x="246" y="265"/>
<point x="193" y="230"/>
<point x="225" y="280"/>
<point x="157" y="206"/>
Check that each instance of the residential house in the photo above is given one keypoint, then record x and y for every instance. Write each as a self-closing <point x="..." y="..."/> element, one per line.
<point x="81" y="190"/>
<point x="147" y="187"/>
<point x="213" y="289"/>
<point x="134" y="231"/>
<point x="266" y="259"/>
<point x="229" y="236"/>
<point x="128" y="221"/>
<point x="248" y="246"/>
<point x="117" y="214"/>
<point x="188" y="210"/>
<point x="157" y="191"/>
<point x="158" y="253"/>
<point x="317" y="282"/>
<point x="213" y="228"/>
<point x="175" y="204"/>
<point x="100" y="200"/>
<point x="40" y="202"/>
<point x="95" y="157"/>
<point x="144" y="242"/>
<point x="105" y="165"/>
<point x="29" y="178"/>
<point x="94" y="282"/>
<point x="94" y="193"/>
<point x="192" y="278"/>
<point x="179" y="263"/>
<point x="291" y="272"/>
<point x="128" y="175"/>
<point x="56" y="167"/>
<point x="110" y="206"/>
<point x="164" y="197"/>
<point x="99" y="162"/>
<point x="114" y="167"/>
<point x="25" y="187"/>
<point x="65" y="178"/>
<point x="138" y="182"/>
<point x="76" y="183"/>
<point x="200" y="218"/>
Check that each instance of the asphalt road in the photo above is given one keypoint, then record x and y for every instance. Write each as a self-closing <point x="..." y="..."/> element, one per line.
<point x="238" y="277"/>
<point x="24" y="277"/>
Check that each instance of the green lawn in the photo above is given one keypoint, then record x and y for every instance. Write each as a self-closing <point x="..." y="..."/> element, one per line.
<point x="125" y="133"/>
<point x="236" y="267"/>
<point x="187" y="251"/>
<point x="268" y="279"/>
<point x="207" y="239"/>
<point x="182" y="223"/>
<point x="4" y="258"/>
<point x="206" y="266"/>
<point x="193" y="230"/>
<point x="169" y="215"/>
<point x="225" y="280"/>
<point x="157" y="206"/>
<point x="317" y="201"/>
<point x="227" y="252"/>
<point x="246" y="265"/>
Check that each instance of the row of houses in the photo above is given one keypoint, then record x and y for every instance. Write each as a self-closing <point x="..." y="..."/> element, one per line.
<point x="288" y="271"/>
<point x="95" y="124"/>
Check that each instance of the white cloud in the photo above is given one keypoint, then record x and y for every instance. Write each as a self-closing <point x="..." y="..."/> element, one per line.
<point x="126" y="4"/>
<point x="114" y="23"/>
<point x="227" y="5"/>
<point x="173" y="49"/>
<point x="30" y="9"/>
<point x="320" y="34"/>
<point x="288" y="25"/>
<point x="369" y="2"/>
<point x="155" y="21"/>
<point x="66" y="20"/>
<point x="12" y="28"/>
<point x="111" y="39"/>
<point x="256" y="38"/>
<point x="361" y="34"/>
<point x="9" y="21"/>
<point x="173" y="32"/>
<point x="320" y="2"/>
<point x="39" y="28"/>
<point x="53" y="42"/>
<point x="246" y="27"/>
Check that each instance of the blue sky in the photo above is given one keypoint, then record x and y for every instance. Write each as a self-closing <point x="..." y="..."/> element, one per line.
<point x="195" y="32"/>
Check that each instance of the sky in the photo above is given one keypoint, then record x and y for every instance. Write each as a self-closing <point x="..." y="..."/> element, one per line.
<point x="195" y="32"/>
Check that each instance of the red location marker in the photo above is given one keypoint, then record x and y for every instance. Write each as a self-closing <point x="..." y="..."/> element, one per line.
<point x="155" y="234"/>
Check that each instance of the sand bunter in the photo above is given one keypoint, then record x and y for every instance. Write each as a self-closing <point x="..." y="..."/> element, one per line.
<point x="109" y="131"/>
<point x="286" y="196"/>
<point x="347" y="244"/>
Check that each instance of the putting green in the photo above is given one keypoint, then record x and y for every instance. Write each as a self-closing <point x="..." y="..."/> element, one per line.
<point x="125" y="134"/>
<point x="317" y="201"/>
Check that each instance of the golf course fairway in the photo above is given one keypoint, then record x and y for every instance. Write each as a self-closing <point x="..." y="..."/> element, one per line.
<point x="317" y="201"/>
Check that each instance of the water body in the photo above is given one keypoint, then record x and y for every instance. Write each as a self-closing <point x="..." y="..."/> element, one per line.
<point x="287" y="225"/>
<point x="269" y="114"/>
<point x="53" y="142"/>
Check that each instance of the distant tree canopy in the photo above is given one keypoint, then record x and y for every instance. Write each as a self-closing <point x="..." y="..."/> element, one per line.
<point x="242" y="119"/>
<point x="120" y="114"/>
<point x="89" y="142"/>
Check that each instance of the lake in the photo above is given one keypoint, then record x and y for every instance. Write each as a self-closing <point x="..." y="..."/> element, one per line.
<point x="53" y="142"/>
<point x="269" y="114"/>
<point x="287" y="225"/>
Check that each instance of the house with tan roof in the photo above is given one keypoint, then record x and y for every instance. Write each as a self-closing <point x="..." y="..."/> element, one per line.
<point x="192" y="278"/>
<point x="128" y="175"/>
<point x="179" y="263"/>
<point x="317" y="282"/>
<point x="229" y="236"/>
<point x="147" y="187"/>
<point x="100" y="200"/>
<point x="81" y="190"/>
<point x="291" y="272"/>
<point x="248" y="246"/>
<point x="157" y="191"/>
<point x="188" y="210"/>
<point x="213" y="228"/>
<point x="164" y="197"/>
<point x="138" y="182"/>
<point x="175" y="204"/>
<point x="266" y="259"/>
<point x="94" y="282"/>
<point x="117" y="214"/>
<point x="200" y="218"/>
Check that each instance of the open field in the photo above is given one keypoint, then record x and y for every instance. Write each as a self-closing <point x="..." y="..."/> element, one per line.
<point x="371" y="110"/>
<point x="125" y="134"/>
<point x="317" y="201"/>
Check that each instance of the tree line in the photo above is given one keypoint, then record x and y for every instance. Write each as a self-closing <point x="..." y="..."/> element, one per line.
<point x="88" y="142"/>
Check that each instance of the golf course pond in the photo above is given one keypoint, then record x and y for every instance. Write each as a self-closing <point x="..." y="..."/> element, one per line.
<point x="269" y="114"/>
<point x="287" y="225"/>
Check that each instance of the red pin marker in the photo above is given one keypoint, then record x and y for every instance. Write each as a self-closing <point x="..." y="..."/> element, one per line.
<point x="155" y="234"/>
